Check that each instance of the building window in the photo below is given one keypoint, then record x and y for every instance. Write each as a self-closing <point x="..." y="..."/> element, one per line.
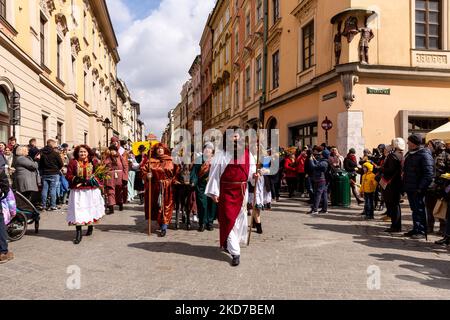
<point x="247" y="25"/>
<point x="258" y="73"/>
<point x="85" y="138"/>
<point x="259" y="10"/>
<point x="59" y="129"/>
<point x="86" y="89"/>
<point x="3" y="9"/>
<point x="276" y="10"/>
<point x="236" y="94"/>
<point x="85" y="25"/>
<point x="308" y="45"/>
<point x="247" y="83"/>
<point x="236" y="42"/>
<point x="220" y="107"/>
<point x="424" y="125"/>
<point x="227" y="52"/>
<point x="428" y="24"/>
<point x="4" y="115"/>
<point x="58" y="57"/>
<point x="42" y="36"/>
<point x="276" y="70"/>
<point x="304" y="135"/>
<point x="227" y="96"/>
<point x="44" y="129"/>
<point x="74" y="73"/>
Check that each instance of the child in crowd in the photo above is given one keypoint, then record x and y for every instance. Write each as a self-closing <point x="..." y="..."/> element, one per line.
<point x="368" y="187"/>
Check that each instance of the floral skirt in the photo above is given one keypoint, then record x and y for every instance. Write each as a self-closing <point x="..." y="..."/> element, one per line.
<point x="86" y="207"/>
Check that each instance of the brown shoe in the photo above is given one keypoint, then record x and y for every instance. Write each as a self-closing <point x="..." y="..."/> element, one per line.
<point x="5" y="257"/>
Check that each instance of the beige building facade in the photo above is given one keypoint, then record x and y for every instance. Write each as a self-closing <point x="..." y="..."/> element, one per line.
<point x="398" y="86"/>
<point x="60" y="57"/>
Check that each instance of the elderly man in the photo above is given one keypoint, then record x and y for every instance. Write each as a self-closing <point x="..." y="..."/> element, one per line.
<point x="418" y="171"/>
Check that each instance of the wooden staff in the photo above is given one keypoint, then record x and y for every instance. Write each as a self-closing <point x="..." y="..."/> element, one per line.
<point x="149" y="178"/>
<point x="254" y="194"/>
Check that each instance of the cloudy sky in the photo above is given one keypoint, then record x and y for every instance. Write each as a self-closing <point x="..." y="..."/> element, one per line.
<point x="158" y="41"/>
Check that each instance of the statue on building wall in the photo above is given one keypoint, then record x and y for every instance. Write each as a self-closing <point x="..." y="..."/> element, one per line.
<point x="351" y="28"/>
<point x="338" y="43"/>
<point x="366" y="36"/>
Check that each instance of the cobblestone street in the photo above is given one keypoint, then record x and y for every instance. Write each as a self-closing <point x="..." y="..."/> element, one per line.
<point x="298" y="257"/>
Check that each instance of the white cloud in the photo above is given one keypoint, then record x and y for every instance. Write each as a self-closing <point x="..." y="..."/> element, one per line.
<point x="156" y="53"/>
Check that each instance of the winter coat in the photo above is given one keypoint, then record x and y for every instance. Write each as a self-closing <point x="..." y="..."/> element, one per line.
<point x="392" y="171"/>
<point x="290" y="169"/>
<point x="50" y="163"/>
<point x="301" y="164"/>
<point x="369" y="184"/>
<point x="25" y="175"/>
<point x="350" y="164"/>
<point x="319" y="169"/>
<point x="418" y="170"/>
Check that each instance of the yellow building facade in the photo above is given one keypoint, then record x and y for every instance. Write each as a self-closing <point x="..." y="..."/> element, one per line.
<point x="220" y="23"/>
<point x="376" y="69"/>
<point x="60" y="57"/>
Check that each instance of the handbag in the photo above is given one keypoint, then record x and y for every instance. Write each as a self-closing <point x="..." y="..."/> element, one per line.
<point x="38" y="179"/>
<point x="384" y="183"/>
<point x="440" y="209"/>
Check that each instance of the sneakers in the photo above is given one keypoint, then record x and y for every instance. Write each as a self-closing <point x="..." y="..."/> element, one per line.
<point x="195" y="218"/>
<point x="323" y="212"/>
<point x="53" y="209"/>
<point x="314" y="213"/>
<point x="5" y="257"/>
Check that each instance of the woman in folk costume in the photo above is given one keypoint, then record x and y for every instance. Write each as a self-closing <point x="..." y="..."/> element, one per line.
<point x="199" y="179"/>
<point x="160" y="171"/>
<point x="115" y="163"/>
<point x="86" y="204"/>
<point x="230" y="173"/>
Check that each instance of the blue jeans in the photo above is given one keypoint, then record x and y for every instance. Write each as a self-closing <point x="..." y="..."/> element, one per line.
<point x="3" y="235"/>
<point x="321" y="194"/>
<point x="419" y="214"/>
<point x="58" y="187"/>
<point x="49" y="182"/>
<point x="369" y="204"/>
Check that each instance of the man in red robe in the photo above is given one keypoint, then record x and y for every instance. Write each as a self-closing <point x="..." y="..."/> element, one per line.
<point x="229" y="174"/>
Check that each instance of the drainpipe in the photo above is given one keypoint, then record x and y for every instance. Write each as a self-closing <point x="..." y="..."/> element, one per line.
<point x="265" y="50"/>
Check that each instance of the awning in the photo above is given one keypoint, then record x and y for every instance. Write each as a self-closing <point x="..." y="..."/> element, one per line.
<point x="441" y="133"/>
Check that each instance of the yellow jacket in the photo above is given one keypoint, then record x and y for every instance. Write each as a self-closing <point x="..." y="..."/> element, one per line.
<point x="369" y="184"/>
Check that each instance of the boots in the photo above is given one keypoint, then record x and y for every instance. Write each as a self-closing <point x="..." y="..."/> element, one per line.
<point x="90" y="231"/>
<point x="259" y="228"/>
<point x="444" y="241"/>
<point x="78" y="236"/>
<point x="121" y="207"/>
<point x="141" y="199"/>
<point x="110" y="210"/>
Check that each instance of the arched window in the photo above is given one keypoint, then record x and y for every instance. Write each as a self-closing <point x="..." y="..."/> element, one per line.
<point x="4" y="115"/>
<point x="271" y="125"/>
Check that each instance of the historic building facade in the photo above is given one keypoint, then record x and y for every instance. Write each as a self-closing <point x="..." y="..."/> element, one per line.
<point x="58" y="63"/>
<point x="348" y="62"/>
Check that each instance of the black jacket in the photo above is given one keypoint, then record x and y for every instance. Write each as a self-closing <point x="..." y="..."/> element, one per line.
<point x="418" y="170"/>
<point x="50" y="163"/>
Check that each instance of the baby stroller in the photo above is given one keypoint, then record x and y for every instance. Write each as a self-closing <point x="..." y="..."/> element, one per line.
<point x="26" y="213"/>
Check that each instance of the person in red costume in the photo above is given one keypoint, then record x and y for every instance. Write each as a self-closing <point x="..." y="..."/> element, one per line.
<point x="159" y="170"/>
<point x="228" y="180"/>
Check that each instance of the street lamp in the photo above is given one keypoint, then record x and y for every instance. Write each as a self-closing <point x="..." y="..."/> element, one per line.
<point x="107" y="125"/>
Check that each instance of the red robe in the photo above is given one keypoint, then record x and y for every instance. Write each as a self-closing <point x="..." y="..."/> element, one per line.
<point x="232" y="195"/>
<point x="163" y="176"/>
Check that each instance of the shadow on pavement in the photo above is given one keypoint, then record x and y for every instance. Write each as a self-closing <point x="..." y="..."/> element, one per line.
<point x="436" y="272"/>
<point x="59" y="235"/>
<point x="205" y="252"/>
<point x="373" y="236"/>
